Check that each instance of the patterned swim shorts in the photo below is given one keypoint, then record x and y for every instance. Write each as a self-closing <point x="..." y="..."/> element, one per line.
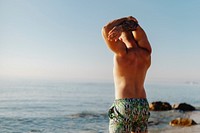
<point x="129" y="115"/>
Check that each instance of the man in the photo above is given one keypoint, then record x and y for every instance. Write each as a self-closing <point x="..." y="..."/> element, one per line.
<point x="132" y="58"/>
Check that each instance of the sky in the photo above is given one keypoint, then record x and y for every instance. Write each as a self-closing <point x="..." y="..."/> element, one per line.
<point x="61" y="39"/>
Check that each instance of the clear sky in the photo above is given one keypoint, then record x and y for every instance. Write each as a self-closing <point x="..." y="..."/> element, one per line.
<point x="61" y="39"/>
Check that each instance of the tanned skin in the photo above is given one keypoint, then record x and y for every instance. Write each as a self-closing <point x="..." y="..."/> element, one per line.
<point x="132" y="56"/>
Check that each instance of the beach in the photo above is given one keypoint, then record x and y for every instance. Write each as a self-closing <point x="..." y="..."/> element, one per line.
<point x="163" y="118"/>
<point x="59" y="107"/>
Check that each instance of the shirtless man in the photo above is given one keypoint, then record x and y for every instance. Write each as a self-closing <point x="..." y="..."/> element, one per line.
<point x="132" y="58"/>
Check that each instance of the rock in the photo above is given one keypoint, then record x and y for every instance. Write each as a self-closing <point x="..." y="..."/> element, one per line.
<point x="182" y="122"/>
<point x="160" y="106"/>
<point x="184" y="107"/>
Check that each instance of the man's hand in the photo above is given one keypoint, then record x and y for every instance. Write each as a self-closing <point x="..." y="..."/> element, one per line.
<point x="115" y="33"/>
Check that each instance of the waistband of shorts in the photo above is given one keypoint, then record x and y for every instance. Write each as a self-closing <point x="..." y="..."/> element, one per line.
<point x="130" y="99"/>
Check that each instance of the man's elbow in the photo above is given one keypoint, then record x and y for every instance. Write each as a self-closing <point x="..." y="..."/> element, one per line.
<point x="148" y="46"/>
<point x="104" y="31"/>
<point x="150" y="50"/>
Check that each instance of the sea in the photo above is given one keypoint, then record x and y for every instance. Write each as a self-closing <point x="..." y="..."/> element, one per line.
<point x="75" y="107"/>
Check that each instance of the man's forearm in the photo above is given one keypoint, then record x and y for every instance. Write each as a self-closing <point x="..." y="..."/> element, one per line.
<point x="114" y="23"/>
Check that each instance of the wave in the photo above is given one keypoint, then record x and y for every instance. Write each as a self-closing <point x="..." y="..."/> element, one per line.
<point x="88" y="115"/>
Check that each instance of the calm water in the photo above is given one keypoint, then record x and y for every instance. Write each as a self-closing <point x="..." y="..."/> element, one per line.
<point x="42" y="107"/>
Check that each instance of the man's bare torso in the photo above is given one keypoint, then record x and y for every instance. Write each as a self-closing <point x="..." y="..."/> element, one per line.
<point x="132" y="56"/>
<point x="129" y="73"/>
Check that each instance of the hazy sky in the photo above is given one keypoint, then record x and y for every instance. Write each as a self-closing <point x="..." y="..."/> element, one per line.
<point x="61" y="39"/>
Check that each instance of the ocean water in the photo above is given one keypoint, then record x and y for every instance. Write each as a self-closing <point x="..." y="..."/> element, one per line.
<point x="59" y="107"/>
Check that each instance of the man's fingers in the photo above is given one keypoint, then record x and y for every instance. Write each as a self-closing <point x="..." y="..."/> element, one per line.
<point x="111" y="31"/>
<point x="114" y="34"/>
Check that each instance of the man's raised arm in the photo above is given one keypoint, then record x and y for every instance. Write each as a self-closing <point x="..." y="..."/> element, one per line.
<point x="142" y="40"/>
<point x="141" y="37"/>
<point x="117" y="46"/>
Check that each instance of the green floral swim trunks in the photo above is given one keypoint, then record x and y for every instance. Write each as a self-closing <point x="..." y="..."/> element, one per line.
<point x="129" y="115"/>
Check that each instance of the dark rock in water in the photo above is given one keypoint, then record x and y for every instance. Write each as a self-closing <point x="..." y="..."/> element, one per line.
<point x="184" y="107"/>
<point x="182" y="122"/>
<point x="160" y="106"/>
